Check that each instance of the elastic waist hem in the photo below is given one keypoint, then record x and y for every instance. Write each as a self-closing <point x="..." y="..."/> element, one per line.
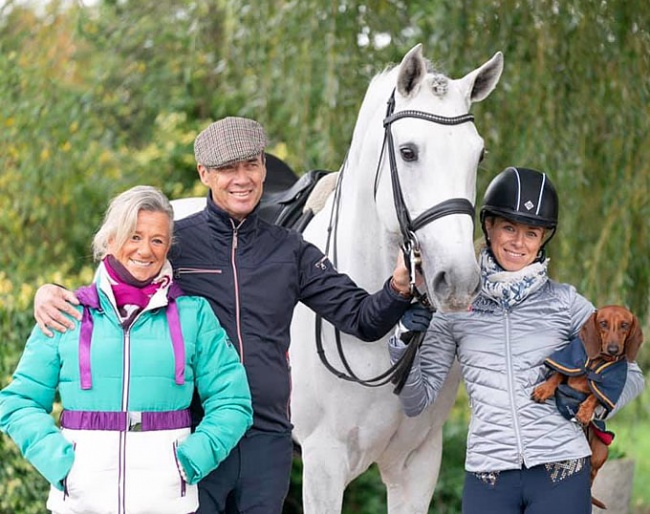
<point x="126" y="421"/>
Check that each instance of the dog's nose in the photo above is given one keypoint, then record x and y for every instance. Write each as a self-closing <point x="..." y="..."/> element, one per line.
<point x="612" y="349"/>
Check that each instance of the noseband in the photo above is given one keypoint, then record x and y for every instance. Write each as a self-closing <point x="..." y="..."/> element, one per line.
<point x="409" y="227"/>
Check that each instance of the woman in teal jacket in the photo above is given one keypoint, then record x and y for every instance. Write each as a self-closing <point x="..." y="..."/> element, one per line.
<point x="126" y="375"/>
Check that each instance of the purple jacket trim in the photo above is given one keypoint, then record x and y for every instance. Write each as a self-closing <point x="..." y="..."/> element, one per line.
<point x="88" y="297"/>
<point x="85" y="336"/>
<point x="177" y="341"/>
<point x="118" y="421"/>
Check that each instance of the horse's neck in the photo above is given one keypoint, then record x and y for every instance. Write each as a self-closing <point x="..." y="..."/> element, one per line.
<point x="366" y="251"/>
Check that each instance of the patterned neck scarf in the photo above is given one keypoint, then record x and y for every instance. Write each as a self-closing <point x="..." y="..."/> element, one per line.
<point x="509" y="288"/>
<point x="127" y="289"/>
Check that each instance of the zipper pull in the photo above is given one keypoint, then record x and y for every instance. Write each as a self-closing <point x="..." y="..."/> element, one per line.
<point x="234" y="239"/>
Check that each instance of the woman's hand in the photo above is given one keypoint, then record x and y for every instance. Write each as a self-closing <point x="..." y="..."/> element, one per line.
<point x="51" y="304"/>
<point x="415" y="319"/>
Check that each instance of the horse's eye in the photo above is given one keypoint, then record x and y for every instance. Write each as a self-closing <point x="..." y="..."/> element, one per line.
<point x="409" y="153"/>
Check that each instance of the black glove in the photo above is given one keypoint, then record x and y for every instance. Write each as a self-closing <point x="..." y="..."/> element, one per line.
<point x="415" y="319"/>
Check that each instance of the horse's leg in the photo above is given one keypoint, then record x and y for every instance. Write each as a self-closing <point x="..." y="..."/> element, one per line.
<point x="410" y="466"/>
<point x="410" y="482"/>
<point x="324" y="475"/>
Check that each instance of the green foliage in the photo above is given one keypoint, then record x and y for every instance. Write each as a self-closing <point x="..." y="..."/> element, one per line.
<point x="632" y="428"/>
<point x="22" y="489"/>
<point x="96" y="99"/>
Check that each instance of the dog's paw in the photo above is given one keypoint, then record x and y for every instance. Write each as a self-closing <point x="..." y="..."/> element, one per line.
<point x="541" y="393"/>
<point x="584" y="416"/>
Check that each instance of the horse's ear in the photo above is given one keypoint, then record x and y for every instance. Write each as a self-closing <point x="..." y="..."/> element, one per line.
<point x="412" y="70"/>
<point x="590" y="336"/>
<point x="633" y="340"/>
<point x="482" y="81"/>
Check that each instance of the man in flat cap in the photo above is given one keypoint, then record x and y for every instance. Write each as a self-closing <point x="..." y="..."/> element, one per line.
<point x="224" y="149"/>
<point x="254" y="273"/>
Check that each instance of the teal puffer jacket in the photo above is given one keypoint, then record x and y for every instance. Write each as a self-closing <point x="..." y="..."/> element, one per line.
<point x="131" y="371"/>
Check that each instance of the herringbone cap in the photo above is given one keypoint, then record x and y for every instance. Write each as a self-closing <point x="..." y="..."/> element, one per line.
<point x="229" y="140"/>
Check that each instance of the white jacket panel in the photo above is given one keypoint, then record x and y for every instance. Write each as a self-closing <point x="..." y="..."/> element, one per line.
<point x="149" y="478"/>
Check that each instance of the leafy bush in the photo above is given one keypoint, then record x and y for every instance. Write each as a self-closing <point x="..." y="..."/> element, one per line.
<point x="22" y="489"/>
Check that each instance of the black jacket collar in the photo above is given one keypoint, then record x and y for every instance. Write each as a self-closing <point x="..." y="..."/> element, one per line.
<point x="221" y="220"/>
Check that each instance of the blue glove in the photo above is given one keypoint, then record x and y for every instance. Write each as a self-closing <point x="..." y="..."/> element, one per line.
<point x="415" y="319"/>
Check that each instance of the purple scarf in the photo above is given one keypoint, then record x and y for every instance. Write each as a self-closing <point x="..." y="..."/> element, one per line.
<point x="129" y="290"/>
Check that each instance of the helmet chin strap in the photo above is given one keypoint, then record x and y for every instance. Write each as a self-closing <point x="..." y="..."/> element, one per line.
<point x="541" y="255"/>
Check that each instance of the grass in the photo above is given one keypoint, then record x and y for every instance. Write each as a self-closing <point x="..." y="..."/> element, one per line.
<point x="632" y="428"/>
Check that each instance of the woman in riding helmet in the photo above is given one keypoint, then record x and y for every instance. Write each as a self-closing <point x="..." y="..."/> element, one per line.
<point x="522" y="456"/>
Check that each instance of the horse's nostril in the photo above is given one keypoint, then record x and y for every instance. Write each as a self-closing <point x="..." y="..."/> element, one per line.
<point x="441" y="285"/>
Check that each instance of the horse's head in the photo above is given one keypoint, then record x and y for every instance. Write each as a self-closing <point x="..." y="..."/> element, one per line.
<point x="426" y="178"/>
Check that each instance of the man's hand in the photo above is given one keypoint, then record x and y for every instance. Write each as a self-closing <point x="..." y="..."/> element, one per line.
<point x="400" y="281"/>
<point x="51" y="303"/>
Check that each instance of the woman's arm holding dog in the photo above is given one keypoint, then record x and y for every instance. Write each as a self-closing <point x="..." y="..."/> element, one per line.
<point x="634" y="384"/>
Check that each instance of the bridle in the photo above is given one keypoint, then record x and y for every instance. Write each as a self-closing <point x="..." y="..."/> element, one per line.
<point x="398" y="372"/>
<point x="409" y="227"/>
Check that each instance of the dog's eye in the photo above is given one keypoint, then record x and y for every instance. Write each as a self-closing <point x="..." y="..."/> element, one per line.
<point x="602" y="323"/>
<point x="625" y="325"/>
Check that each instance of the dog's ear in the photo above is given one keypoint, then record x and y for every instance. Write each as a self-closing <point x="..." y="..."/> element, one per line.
<point x="633" y="340"/>
<point x="590" y="336"/>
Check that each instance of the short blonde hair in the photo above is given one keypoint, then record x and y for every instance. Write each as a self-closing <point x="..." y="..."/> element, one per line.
<point x="121" y="218"/>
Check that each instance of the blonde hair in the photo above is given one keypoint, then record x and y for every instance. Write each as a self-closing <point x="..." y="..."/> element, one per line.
<point x="121" y="218"/>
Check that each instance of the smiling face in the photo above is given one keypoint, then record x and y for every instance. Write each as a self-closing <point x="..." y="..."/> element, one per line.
<point x="236" y="187"/>
<point x="144" y="253"/>
<point x="513" y="244"/>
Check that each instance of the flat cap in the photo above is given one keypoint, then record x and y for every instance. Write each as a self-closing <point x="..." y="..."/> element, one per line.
<point x="229" y="140"/>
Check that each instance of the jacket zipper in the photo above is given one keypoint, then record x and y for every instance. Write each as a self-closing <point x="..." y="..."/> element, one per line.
<point x="233" y="263"/>
<point x="192" y="271"/>
<point x="511" y="388"/>
<point x="126" y="383"/>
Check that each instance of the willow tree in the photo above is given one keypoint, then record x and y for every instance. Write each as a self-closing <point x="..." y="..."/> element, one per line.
<point x="96" y="99"/>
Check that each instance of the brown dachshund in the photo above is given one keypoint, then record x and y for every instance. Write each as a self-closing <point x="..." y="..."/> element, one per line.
<point x="611" y="334"/>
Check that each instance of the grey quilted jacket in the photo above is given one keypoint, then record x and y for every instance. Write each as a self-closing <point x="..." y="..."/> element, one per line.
<point x="501" y="353"/>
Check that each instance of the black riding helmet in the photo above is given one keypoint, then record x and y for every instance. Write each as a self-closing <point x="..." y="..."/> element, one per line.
<point x="525" y="196"/>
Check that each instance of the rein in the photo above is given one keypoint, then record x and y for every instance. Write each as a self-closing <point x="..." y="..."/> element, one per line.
<point x="398" y="372"/>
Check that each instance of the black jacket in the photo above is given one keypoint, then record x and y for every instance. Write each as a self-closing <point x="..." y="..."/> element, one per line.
<point x="254" y="273"/>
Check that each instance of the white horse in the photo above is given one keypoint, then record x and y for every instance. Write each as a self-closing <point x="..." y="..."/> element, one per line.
<point x="341" y="426"/>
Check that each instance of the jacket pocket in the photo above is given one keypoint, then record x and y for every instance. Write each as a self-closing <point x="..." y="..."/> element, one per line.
<point x="179" y="469"/>
<point x="66" y="492"/>
<point x="196" y="271"/>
